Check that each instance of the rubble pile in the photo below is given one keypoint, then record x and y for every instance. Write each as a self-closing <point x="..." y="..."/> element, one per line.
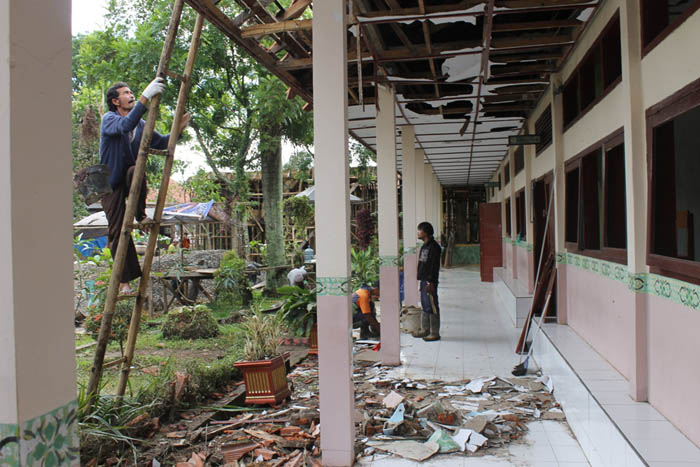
<point x="413" y="419"/>
<point x="417" y="419"/>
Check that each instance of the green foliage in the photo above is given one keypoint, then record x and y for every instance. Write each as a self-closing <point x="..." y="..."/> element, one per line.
<point x="263" y="333"/>
<point x="120" y="320"/>
<point x="299" y="309"/>
<point x="230" y="280"/>
<point x="300" y="164"/>
<point x="203" y="187"/>
<point x="195" y="322"/>
<point x="300" y="214"/>
<point x="365" y="266"/>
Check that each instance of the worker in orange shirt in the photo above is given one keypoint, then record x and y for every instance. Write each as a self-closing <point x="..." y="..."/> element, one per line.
<point x="364" y="314"/>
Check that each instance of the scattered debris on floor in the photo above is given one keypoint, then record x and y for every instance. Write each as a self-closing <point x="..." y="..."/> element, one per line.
<point x="412" y="419"/>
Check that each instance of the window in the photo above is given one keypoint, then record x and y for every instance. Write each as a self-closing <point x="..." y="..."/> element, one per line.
<point x="596" y="213"/>
<point x="506" y="173"/>
<point x="543" y="128"/>
<point x="660" y="17"/>
<point x="572" y="204"/>
<point x="674" y="195"/>
<point x="615" y="198"/>
<point x="519" y="160"/>
<point x="596" y="75"/>
<point x="507" y="214"/>
<point x="520" y="219"/>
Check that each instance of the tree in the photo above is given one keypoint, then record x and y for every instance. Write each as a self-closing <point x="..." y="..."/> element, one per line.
<point x="240" y="111"/>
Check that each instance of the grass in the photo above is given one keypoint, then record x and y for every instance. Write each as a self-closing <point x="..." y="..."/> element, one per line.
<point x="154" y="353"/>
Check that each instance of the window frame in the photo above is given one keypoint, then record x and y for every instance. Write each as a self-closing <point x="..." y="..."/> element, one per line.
<point x="678" y="103"/>
<point x="597" y="44"/>
<point x="506" y="173"/>
<point x="539" y="149"/>
<point x="606" y="253"/>
<point x="518" y="154"/>
<point x="507" y="208"/>
<point x="646" y="49"/>
<point x="521" y="219"/>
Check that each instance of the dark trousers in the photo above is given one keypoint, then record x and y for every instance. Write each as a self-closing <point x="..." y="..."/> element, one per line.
<point x="114" y="205"/>
<point x="359" y="318"/>
<point x="425" y="299"/>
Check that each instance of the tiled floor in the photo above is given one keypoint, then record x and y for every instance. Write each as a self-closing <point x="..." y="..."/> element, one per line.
<point x="604" y="416"/>
<point x="478" y="339"/>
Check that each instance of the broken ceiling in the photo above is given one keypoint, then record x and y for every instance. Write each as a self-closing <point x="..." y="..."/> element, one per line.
<point x="466" y="73"/>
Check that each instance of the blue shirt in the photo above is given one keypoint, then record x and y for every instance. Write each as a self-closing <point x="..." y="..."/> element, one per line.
<point x="119" y="147"/>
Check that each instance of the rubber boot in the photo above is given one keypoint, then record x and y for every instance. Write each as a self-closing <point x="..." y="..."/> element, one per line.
<point x="364" y="331"/>
<point x="374" y="327"/>
<point x="434" y="328"/>
<point x="425" y="326"/>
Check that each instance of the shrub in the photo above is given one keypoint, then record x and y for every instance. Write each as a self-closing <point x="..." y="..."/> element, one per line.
<point x="299" y="311"/>
<point x="365" y="266"/>
<point x="263" y="334"/>
<point x="230" y="280"/>
<point x="195" y="322"/>
<point x="365" y="228"/>
<point x="120" y="320"/>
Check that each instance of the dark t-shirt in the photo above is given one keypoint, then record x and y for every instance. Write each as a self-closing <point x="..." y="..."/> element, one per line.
<point x="429" y="262"/>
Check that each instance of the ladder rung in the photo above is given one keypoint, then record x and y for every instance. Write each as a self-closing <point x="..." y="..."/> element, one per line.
<point x="123" y="297"/>
<point x="114" y="362"/>
<point x="159" y="152"/>
<point x="174" y="75"/>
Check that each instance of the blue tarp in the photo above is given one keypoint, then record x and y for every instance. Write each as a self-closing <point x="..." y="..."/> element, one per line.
<point x="92" y="247"/>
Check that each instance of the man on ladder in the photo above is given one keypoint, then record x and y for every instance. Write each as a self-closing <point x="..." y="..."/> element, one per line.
<point x="120" y="137"/>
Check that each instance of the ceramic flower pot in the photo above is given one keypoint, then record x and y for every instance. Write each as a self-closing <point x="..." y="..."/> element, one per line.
<point x="265" y="381"/>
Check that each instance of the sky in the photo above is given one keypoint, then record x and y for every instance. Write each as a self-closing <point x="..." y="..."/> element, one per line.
<point x="87" y="16"/>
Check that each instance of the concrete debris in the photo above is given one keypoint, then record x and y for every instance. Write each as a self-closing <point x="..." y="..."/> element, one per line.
<point x="409" y="418"/>
<point x="412" y="450"/>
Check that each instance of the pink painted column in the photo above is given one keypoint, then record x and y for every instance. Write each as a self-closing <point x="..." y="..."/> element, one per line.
<point x="333" y="235"/>
<point x="408" y="198"/>
<point x="420" y="206"/>
<point x="636" y="188"/>
<point x="37" y="335"/>
<point x="559" y="197"/>
<point x="388" y="228"/>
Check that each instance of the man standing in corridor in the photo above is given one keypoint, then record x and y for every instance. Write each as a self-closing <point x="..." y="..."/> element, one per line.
<point x="428" y="274"/>
<point x="120" y="138"/>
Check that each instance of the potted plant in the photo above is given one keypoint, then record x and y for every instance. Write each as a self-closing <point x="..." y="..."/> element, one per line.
<point x="299" y="314"/>
<point x="263" y="367"/>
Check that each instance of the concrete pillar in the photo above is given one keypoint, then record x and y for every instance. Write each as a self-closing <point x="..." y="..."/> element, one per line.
<point x="420" y="191"/>
<point x="333" y="234"/>
<point x="559" y="195"/>
<point x="37" y="337"/>
<point x="428" y="183"/>
<point x="513" y="217"/>
<point x="408" y="194"/>
<point x="529" y="151"/>
<point x="636" y="185"/>
<point x="388" y="227"/>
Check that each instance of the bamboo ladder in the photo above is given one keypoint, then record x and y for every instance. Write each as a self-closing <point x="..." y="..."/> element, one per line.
<point x="139" y="173"/>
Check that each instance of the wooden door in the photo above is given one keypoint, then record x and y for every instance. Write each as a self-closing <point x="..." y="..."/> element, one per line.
<point x="491" y="239"/>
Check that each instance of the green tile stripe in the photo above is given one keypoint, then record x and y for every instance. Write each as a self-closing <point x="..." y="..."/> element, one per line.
<point x="410" y="250"/>
<point x="519" y="243"/>
<point x="388" y="261"/>
<point x="680" y="292"/>
<point x="51" y="439"/>
<point x="603" y="268"/>
<point x="9" y="438"/>
<point x="333" y="286"/>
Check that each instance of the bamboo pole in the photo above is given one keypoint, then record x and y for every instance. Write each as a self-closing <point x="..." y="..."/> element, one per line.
<point x="160" y="204"/>
<point x="134" y="192"/>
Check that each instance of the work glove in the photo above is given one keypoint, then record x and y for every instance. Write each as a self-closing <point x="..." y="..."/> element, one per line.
<point x="154" y="88"/>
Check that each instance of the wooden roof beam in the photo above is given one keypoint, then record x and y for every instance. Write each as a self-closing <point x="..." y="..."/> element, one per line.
<point x="531" y="25"/>
<point x="266" y="29"/>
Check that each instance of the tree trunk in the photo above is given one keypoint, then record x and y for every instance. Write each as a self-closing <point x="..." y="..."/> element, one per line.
<point x="271" y="162"/>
